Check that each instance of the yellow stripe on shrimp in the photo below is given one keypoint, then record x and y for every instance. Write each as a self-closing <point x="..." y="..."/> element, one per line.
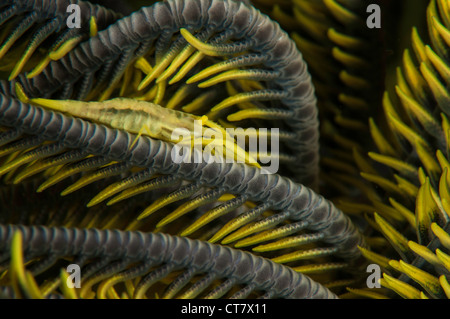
<point x="143" y="118"/>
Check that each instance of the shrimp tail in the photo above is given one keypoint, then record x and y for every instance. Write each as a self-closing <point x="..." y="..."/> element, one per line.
<point x="239" y="153"/>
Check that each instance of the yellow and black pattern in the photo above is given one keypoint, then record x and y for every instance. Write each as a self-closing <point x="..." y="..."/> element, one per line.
<point x="136" y="186"/>
<point x="412" y="149"/>
<point x="384" y="140"/>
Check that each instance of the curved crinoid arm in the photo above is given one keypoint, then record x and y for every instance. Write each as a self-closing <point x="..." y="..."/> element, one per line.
<point x="257" y="208"/>
<point x="195" y="268"/>
<point x="346" y="61"/>
<point x="31" y="26"/>
<point x="220" y="58"/>
<point x="413" y="208"/>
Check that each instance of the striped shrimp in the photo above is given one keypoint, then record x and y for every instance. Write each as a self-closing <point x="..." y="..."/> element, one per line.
<point x="145" y="118"/>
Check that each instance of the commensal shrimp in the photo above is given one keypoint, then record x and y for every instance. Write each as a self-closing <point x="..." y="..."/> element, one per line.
<point x="146" y="118"/>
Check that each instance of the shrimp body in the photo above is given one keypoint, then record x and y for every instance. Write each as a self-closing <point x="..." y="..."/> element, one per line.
<point x="138" y="117"/>
<point x="122" y="113"/>
<point x="127" y="114"/>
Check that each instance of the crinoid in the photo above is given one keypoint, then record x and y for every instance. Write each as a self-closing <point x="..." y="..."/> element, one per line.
<point x="93" y="192"/>
<point x="412" y="149"/>
<point x="253" y="74"/>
